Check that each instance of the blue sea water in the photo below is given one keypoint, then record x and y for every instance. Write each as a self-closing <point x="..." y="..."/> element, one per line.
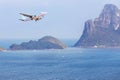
<point x="66" y="64"/>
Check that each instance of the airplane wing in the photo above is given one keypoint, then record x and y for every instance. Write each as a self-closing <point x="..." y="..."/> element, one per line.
<point x="26" y="15"/>
<point x="27" y="19"/>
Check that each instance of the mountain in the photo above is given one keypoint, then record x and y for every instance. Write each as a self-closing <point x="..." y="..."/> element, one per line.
<point x="103" y="31"/>
<point x="46" y="42"/>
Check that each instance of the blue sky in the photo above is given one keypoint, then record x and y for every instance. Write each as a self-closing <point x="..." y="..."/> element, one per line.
<point x="65" y="18"/>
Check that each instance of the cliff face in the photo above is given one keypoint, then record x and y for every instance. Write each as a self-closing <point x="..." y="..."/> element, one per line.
<point x="103" y="31"/>
<point x="46" y="42"/>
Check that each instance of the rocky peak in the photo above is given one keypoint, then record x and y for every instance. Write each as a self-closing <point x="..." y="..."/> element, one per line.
<point x="109" y="18"/>
<point x="46" y="38"/>
<point x="104" y="30"/>
<point x="111" y="10"/>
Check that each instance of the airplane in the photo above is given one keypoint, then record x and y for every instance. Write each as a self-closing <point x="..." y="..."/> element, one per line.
<point x="27" y="17"/>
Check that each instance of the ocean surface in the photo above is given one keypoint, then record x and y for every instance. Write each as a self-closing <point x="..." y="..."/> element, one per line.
<point x="66" y="64"/>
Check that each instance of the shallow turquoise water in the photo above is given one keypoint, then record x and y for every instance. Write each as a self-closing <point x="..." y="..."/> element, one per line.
<point x="67" y="64"/>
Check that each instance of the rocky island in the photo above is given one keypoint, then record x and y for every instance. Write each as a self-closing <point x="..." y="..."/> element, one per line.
<point x="46" y="42"/>
<point x="103" y="31"/>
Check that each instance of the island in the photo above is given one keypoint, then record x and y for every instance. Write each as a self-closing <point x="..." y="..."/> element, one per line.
<point x="47" y="42"/>
<point x="103" y="31"/>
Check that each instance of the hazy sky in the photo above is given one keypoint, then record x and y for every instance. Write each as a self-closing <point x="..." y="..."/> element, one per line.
<point x="65" y="18"/>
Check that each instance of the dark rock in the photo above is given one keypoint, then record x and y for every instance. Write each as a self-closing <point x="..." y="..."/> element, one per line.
<point x="104" y="31"/>
<point x="46" y="42"/>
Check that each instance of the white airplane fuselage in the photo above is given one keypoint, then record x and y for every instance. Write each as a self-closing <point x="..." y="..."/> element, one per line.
<point x="36" y="18"/>
<point x="33" y="17"/>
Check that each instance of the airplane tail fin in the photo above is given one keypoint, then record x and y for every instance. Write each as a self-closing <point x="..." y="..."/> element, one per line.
<point x="42" y="14"/>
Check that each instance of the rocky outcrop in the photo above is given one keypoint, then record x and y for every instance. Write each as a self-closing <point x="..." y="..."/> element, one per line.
<point x="46" y="42"/>
<point x="103" y="31"/>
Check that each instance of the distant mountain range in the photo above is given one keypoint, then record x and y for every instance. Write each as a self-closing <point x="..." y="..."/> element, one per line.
<point x="103" y="31"/>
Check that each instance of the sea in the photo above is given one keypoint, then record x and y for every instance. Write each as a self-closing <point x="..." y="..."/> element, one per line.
<point x="60" y="64"/>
